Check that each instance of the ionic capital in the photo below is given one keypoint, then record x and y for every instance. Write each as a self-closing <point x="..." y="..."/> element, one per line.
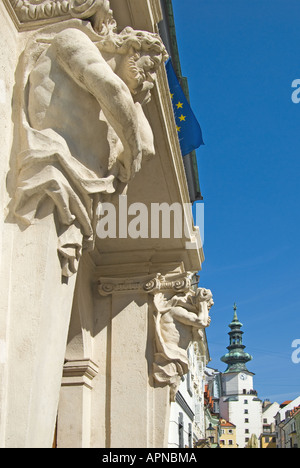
<point x="151" y="284"/>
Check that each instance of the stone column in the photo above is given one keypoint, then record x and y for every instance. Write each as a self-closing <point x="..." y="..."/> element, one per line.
<point x="38" y="309"/>
<point x="74" y="426"/>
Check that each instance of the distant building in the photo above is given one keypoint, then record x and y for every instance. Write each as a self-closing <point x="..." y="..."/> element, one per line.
<point x="239" y="403"/>
<point x="228" y="434"/>
<point x="297" y="421"/>
<point x="268" y="436"/>
<point x="187" y="417"/>
<point x="213" y="380"/>
<point x="287" y="424"/>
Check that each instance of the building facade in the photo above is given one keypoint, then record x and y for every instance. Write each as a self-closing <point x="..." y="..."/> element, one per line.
<point x="228" y="434"/>
<point x="96" y="312"/>
<point x="239" y="403"/>
<point x="268" y="436"/>
<point x="297" y="421"/>
<point x="287" y="424"/>
<point x="187" y="420"/>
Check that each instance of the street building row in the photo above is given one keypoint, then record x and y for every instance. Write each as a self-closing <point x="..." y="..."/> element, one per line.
<point x="216" y="409"/>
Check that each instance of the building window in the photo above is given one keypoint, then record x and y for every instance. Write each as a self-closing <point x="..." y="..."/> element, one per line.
<point x="265" y="420"/>
<point x="245" y="402"/>
<point x="245" y="411"/>
<point x="181" y="430"/>
<point x="246" y="420"/>
<point x="222" y="442"/>
<point x="190" y="435"/>
<point x="246" y="431"/>
<point x="230" y="442"/>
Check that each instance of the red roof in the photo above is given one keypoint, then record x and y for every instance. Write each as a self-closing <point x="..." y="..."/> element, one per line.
<point x="226" y="423"/>
<point x="287" y="402"/>
<point x="294" y="411"/>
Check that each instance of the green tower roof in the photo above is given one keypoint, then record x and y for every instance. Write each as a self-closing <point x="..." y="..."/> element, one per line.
<point x="236" y="358"/>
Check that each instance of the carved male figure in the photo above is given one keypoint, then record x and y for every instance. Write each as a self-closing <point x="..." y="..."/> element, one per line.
<point x="84" y="129"/>
<point x="178" y="321"/>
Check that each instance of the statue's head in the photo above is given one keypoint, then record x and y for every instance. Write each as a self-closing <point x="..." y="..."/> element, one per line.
<point x="138" y="55"/>
<point x="204" y="296"/>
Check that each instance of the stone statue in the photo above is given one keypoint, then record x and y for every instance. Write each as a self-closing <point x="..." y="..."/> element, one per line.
<point x="82" y="130"/>
<point x="178" y="321"/>
<point x="253" y="442"/>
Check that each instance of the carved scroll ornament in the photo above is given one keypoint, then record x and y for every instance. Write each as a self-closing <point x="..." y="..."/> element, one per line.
<point x="159" y="283"/>
<point x="33" y="13"/>
<point x="82" y="130"/>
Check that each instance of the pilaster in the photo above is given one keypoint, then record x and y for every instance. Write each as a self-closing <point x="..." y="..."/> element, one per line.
<point x="74" y="427"/>
<point x="132" y="394"/>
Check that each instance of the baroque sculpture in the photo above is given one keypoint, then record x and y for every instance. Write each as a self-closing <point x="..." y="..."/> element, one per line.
<point x="82" y="130"/>
<point x="179" y="321"/>
<point x="180" y="316"/>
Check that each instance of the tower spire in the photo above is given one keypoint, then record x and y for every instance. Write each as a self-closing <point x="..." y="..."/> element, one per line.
<point x="235" y="309"/>
<point x="236" y="358"/>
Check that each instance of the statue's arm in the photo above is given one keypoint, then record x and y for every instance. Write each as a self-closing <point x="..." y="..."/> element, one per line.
<point x="82" y="60"/>
<point x="189" y="318"/>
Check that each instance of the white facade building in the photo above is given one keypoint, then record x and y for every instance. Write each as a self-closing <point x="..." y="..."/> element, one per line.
<point x="187" y="417"/>
<point x="269" y="413"/>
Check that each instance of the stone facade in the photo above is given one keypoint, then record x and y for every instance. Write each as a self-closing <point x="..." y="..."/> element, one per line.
<point x="89" y="340"/>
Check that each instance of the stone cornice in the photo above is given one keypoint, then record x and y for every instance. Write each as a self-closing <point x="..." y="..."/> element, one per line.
<point x="183" y="404"/>
<point x="147" y="284"/>
<point x="32" y="14"/>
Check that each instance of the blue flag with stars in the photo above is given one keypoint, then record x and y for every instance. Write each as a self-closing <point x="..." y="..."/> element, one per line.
<point x="188" y="128"/>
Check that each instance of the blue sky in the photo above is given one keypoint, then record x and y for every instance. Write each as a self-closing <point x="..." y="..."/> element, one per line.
<point x="240" y="58"/>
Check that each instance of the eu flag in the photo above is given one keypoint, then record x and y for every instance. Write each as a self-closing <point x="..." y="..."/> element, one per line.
<point x="188" y="128"/>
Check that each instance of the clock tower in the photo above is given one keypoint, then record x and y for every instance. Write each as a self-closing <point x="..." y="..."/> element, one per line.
<point x="239" y="403"/>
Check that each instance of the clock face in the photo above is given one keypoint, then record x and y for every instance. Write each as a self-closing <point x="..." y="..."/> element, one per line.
<point x="243" y="376"/>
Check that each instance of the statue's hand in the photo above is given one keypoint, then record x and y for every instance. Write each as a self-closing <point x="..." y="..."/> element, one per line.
<point x="137" y="163"/>
<point x="131" y="158"/>
<point x="143" y="142"/>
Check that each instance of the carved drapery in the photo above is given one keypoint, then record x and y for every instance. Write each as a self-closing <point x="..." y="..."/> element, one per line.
<point x="180" y="315"/>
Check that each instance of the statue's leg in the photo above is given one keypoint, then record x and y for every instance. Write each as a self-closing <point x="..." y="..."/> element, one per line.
<point x="38" y="313"/>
